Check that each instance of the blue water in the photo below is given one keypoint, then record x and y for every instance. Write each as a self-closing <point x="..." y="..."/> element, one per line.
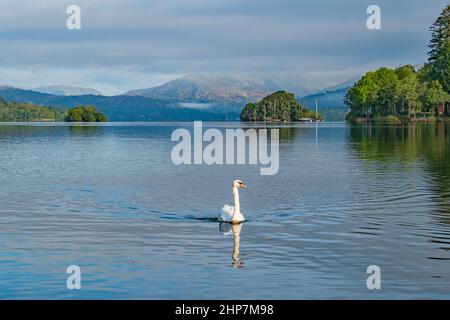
<point x="109" y="199"/>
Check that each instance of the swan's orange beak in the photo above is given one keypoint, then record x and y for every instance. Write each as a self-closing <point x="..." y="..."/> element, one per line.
<point x="243" y="186"/>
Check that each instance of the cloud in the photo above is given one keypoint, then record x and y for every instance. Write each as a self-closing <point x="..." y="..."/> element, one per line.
<point x="131" y="44"/>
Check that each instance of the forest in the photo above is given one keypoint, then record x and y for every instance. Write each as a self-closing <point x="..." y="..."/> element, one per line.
<point x="407" y="92"/>
<point x="25" y="112"/>
<point x="28" y="112"/>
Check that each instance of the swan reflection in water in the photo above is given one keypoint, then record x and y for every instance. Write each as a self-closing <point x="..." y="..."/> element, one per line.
<point x="234" y="230"/>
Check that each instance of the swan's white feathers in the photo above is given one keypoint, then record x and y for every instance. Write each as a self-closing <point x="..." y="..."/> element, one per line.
<point x="227" y="213"/>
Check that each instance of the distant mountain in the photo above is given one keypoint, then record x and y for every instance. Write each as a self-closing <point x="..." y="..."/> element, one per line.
<point x="61" y="90"/>
<point x="325" y="99"/>
<point x="185" y="99"/>
<point x="211" y="89"/>
<point x="330" y="103"/>
<point x="128" y="108"/>
<point x="330" y="100"/>
<point x="343" y="85"/>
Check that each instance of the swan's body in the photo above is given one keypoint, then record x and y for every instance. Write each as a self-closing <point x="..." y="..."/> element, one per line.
<point x="233" y="214"/>
<point x="228" y="214"/>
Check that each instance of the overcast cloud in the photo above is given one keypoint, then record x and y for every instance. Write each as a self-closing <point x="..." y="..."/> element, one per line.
<point x="136" y="44"/>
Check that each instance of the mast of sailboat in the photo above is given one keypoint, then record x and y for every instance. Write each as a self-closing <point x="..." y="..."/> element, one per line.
<point x="317" y="113"/>
<point x="317" y="128"/>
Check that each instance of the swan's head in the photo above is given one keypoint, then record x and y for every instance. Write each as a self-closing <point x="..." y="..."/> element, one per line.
<point x="239" y="184"/>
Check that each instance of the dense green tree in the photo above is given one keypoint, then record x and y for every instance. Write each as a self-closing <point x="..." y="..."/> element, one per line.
<point x="424" y="73"/>
<point x="394" y="92"/>
<point x="85" y="114"/>
<point x="433" y="96"/>
<point x="408" y="90"/>
<point x="439" y="54"/>
<point x="361" y="97"/>
<point x="278" y="106"/>
<point x="375" y="94"/>
<point x="386" y="96"/>
<point x="24" y="112"/>
<point x="405" y="71"/>
<point x="250" y="112"/>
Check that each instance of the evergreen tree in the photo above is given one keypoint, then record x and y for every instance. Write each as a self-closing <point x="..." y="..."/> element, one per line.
<point x="439" y="54"/>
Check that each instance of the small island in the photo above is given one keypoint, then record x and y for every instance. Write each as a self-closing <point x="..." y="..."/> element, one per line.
<point x="276" y="107"/>
<point x="28" y="112"/>
<point x="84" y="114"/>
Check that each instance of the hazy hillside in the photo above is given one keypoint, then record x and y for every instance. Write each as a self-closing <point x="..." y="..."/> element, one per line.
<point x="217" y="89"/>
<point x="330" y="104"/>
<point x="61" y="90"/>
<point x="126" y="108"/>
<point x="343" y="85"/>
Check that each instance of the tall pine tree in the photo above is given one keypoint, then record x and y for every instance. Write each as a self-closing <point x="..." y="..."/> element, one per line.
<point x="439" y="54"/>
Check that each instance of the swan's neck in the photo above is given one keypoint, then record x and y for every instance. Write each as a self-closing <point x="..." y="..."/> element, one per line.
<point x="237" y="208"/>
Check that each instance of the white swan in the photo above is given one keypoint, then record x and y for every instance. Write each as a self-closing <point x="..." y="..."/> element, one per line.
<point x="233" y="214"/>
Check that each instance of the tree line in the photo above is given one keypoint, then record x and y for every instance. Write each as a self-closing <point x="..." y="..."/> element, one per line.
<point x="408" y="91"/>
<point x="28" y="112"/>
<point x="25" y="112"/>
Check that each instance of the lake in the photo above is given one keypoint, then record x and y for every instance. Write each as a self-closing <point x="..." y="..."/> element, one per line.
<point x="109" y="199"/>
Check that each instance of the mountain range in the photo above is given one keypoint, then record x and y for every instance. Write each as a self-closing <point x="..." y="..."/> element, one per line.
<point x="126" y="108"/>
<point x="184" y="99"/>
<point x="330" y="101"/>
<point x="213" y="89"/>
<point x="330" y="104"/>
<point x="61" y="90"/>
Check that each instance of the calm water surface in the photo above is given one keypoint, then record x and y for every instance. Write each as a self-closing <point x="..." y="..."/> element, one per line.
<point x="109" y="199"/>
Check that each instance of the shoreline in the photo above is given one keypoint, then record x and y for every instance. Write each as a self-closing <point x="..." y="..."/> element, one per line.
<point x="398" y="120"/>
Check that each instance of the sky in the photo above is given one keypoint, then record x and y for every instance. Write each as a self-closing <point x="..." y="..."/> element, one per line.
<point x="132" y="44"/>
